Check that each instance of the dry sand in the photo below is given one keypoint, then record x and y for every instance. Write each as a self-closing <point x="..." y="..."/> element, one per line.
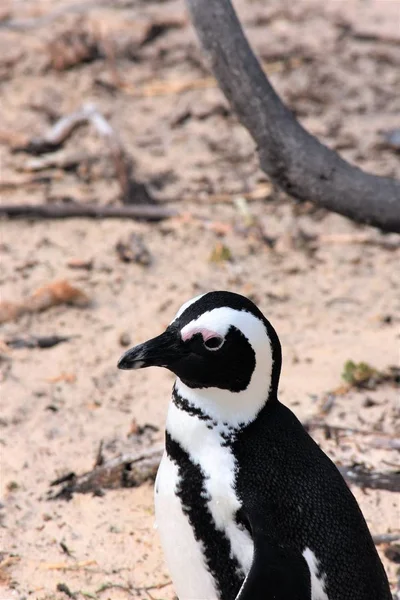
<point x="330" y="300"/>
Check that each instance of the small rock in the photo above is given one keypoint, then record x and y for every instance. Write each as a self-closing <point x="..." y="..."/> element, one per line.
<point x="125" y="339"/>
<point x="387" y="319"/>
<point x="134" y="250"/>
<point x="369" y="402"/>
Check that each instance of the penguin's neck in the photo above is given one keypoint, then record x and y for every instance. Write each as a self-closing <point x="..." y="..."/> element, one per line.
<point x="189" y="424"/>
<point x="206" y="443"/>
<point x="221" y="407"/>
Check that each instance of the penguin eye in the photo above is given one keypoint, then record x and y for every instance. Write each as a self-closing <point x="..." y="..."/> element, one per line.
<point x="214" y="343"/>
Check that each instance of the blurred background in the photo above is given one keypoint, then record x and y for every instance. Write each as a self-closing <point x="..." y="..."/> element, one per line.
<point x="109" y="109"/>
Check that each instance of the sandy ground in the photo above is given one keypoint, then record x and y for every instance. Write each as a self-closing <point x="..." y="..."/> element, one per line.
<point x="331" y="288"/>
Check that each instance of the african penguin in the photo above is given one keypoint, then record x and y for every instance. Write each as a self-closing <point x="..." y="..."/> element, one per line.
<point x="247" y="505"/>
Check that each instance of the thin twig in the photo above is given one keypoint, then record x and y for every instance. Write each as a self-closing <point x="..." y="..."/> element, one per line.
<point x="360" y="476"/>
<point x="68" y="566"/>
<point x="385" y="538"/>
<point x="35" y="22"/>
<point x="131" y="590"/>
<point x="37" y="341"/>
<point x="132" y="191"/>
<point x="119" y="586"/>
<point x="380" y="440"/>
<point x="165" y="87"/>
<point x="66" y="211"/>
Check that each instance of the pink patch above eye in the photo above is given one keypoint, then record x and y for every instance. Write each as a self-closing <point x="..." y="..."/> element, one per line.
<point x="207" y="334"/>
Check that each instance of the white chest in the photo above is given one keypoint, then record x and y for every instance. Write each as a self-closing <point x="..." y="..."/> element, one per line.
<point x="184" y="554"/>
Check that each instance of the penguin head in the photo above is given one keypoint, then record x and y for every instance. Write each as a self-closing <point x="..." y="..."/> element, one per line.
<point x="222" y="350"/>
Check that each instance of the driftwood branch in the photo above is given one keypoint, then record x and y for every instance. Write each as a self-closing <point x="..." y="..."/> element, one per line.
<point x="65" y="211"/>
<point x="361" y="477"/>
<point x="131" y="470"/>
<point x="294" y="159"/>
<point x="132" y="191"/>
<point x="127" y="470"/>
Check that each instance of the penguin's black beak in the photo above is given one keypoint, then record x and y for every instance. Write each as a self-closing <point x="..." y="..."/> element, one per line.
<point x="161" y="351"/>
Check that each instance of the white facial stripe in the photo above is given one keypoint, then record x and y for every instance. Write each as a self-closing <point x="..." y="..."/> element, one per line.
<point x="224" y="405"/>
<point x="185" y="306"/>
<point x="205" y="448"/>
<point x="218" y="320"/>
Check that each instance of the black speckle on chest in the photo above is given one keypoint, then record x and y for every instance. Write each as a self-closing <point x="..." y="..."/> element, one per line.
<point x="216" y="547"/>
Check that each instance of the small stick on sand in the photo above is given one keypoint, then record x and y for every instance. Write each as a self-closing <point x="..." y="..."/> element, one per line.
<point x="143" y="212"/>
<point x="132" y="191"/>
<point x="385" y="538"/>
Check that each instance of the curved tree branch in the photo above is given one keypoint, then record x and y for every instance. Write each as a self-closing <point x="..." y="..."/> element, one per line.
<point x="292" y="158"/>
